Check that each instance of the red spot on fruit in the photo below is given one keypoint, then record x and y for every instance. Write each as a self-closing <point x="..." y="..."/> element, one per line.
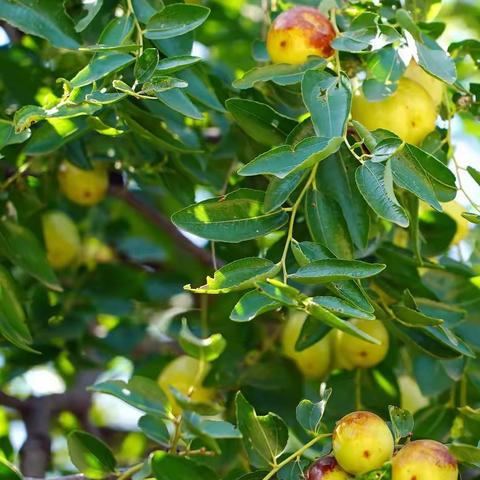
<point x="363" y="353"/>
<point x="321" y="467"/>
<point x="283" y="43"/>
<point x="366" y="453"/>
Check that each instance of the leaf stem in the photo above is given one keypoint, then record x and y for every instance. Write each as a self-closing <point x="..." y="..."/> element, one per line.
<point x="294" y="455"/>
<point x="291" y="224"/>
<point x="358" y="389"/>
<point x="137" y="25"/>
<point x="131" y="471"/>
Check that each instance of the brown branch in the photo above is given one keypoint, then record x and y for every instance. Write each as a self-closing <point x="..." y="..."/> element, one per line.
<point x="12" y="402"/>
<point x="161" y="221"/>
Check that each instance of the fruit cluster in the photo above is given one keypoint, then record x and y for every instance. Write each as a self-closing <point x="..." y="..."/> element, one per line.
<point x="62" y="240"/>
<point x="362" y="442"/>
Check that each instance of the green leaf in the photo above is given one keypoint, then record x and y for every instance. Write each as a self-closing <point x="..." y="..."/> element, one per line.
<point x="178" y="101"/>
<point x="26" y="116"/>
<point x="92" y="8"/>
<point x="402" y="422"/>
<point x="386" y="148"/>
<point x="330" y="319"/>
<point x="313" y="330"/>
<point x="328" y="100"/>
<point x="283" y="160"/>
<point x="146" y="64"/>
<point x="386" y="65"/>
<point x="360" y="36"/>
<point x="466" y="453"/>
<point x="280" y="189"/>
<point x="282" y="74"/>
<point x="307" y="252"/>
<point x="90" y="455"/>
<point x="9" y="471"/>
<point x="155" y="429"/>
<point x="414" y="318"/>
<point x="326" y="223"/>
<point x="260" y="121"/>
<point x="238" y="275"/>
<point x="280" y="292"/>
<point x="175" y="20"/>
<point x="375" y="183"/>
<point x="264" y="437"/>
<point x="186" y="403"/>
<point x="101" y="66"/>
<point x="23" y="249"/>
<point x="342" y="307"/>
<point x="166" y="466"/>
<point x="435" y="61"/>
<point x="234" y="218"/>
<point x="46" y="19"/>
<point x="55" y="133"/>
<point x="140" y="392"/>
<point x="309" y="415"/>
<point x="211" y="428"/>
<point x="117" y="31"/>
<point x="336" y="177"/>
<point x="161" y="83"/>
<point x="207" y="349"/>
<point x="200" y="88"/>
<point x="472" y="217"/>
<point x="175" y="64"/>
<point x="251" y="305"/>
<point x="13" y="324"/>
<point x="8" y="136"/>
<point x="334" y="270"/>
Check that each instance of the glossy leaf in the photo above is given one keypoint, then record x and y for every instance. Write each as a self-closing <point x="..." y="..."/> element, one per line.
<point x="280" y="189"/>
<point x="402" y="422"/>
<point x="234" y="218"/>
<point x="175" y="64"/>
<point x="264" y="437"/>
<point x="90" y="455"/>
<point x="342" y="308"/>
<point x="175" y="20"/>
<point x="207" y="349"/>
<point x="8" y="136"/>
<point x="166" y="466"/>
<point x="155" y="429"/>
<point x="251" y="305"/>
<point x="309" y="414"/>
<point x="238" y="275"/>
<point x="146" y="64"/>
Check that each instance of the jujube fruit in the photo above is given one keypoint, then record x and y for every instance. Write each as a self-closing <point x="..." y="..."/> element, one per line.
<point x="362" y="442"/>
<point x="409" y="112"/>
<point x="434" y="87"/>
<point x="61" y="237"/>
<point x="411" y="397"/>
<point x="357" y="353"/>
<point x="298" y="33"/>
<point x="424" y="460"/>
<point x="326" y="468"/>
<point x="182" y="373"/>
<point x="314" y="361"/>
<point x="84" y="187"/>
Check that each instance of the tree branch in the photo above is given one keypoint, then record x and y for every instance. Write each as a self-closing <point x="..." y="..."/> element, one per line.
<point x="12" y="402"/>
<point x="158" y="219"/>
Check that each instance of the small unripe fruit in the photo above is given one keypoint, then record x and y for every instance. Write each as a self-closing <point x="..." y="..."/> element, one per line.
<point x="362" y="442"/>
<point x="298" y="33"/>
<point x="326" y="468"/>
<point x="409" y="112"/>
<point x="182" y="373"/>
<point x="61" y="237"/>
<point x="359" y="353"/>
<point x="339" y="359"/>
<point x="424" y="460"/>
<point x="84" y="187"/>
<point x="434" y="87"/>
<point x="411" y="397"/>
<point x="314" y="361"/>
<point x="94" y="251"/>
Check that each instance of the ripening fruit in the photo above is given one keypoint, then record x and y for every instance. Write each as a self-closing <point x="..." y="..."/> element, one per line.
<point x="326" y="468"/>
<point x="434" y="87"/>
<point x="314" y="361"/>
<point x="339" y="359"/>
<point x="85" y="187"/>
<point x="411" y="397"/>
<point x="298" y="33"/>
<point x="454" y="209"/>
<point x="362" y="442"/>
<point x="409" y="112"/>
<point x="359" y="353"/>
<point x="94" y="251"/>
<point x="61" y="237"/>
<point x="183" y="373"/>
<point x="424" y="460"/>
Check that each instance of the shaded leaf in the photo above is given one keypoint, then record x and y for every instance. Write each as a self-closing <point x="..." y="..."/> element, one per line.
<point x="207" y="349"/>
<point x="251" y="305"/>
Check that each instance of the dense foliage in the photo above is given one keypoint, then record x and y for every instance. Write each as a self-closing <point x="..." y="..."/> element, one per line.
<point x="190" y="227"/>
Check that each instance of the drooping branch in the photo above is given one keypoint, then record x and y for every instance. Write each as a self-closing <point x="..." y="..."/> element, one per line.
<point x="162" y="222"/>
<point x="12" y="402"/>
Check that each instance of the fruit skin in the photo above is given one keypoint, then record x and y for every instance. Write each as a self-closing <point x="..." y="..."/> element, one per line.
<point x="411" y="397"/>
<point x="338" y="359"/>
<point x="424" y="460"/>
<point x="409" y="112"/>
<point x="362" y="442"/>
<point x="182" y="373"/>
<point x="434" y="87"/>
<point x="61" y="237"/>
<point x="314" y="361"/>
<point x="359" y="353"/>
<point x="298" y="33"/>
<point x="326" y="468"/>
<point x="84" y="187"/>
<point x="94" y="251"/>
<point x="454" y="209"/>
